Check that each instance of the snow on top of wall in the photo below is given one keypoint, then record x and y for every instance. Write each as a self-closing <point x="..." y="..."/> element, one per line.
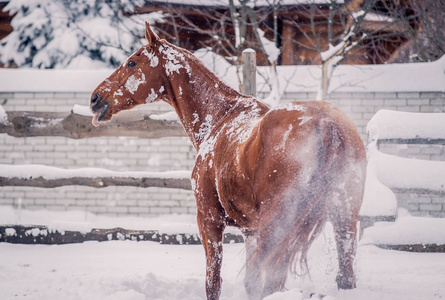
<point x="168" y="116"/>
<point x="32" y="80"/>
<point x="416" y="77"/>
<point x="47" y="172"/>
<point x="406" y="231"/>
<point x="386" y="172"/>
<point x="401" y="173"/>
<point x="82" y="110"/>
<point x="85" y="221"/>
<point x="387" y="124"/>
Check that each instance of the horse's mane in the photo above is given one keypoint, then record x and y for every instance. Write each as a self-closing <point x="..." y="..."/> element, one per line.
<point x="204" y="71"/>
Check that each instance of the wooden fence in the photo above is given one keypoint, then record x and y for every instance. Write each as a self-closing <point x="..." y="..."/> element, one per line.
<point x="135" y="124"/>
<point x="77" y="125"/>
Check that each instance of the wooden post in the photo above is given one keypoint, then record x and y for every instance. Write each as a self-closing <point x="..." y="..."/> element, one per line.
<point x="249" y="72"/>
<point x="288" y="46"/>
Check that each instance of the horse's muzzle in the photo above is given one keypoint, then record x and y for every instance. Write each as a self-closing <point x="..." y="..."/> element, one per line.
<point x="95" y="100"/>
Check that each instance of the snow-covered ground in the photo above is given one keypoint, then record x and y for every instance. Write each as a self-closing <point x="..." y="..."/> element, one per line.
<point x="148" y="270"/>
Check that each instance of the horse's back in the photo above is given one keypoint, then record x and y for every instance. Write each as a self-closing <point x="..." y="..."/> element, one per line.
<point x="305" y="139"/>
<point x="310" y="113"/>
<point x="300" y="124"/>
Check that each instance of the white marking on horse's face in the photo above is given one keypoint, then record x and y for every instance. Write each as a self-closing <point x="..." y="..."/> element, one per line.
<point x="118" y="93"/>
<point x="133" y="82"/>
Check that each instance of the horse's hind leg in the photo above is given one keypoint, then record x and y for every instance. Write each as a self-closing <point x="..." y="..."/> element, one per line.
<point x="261" y="282"/>
<point x="344" y="220"/>
<point x="275" y="279"/>
<point x="253" y="281"/>
<point x="345" y="237"/>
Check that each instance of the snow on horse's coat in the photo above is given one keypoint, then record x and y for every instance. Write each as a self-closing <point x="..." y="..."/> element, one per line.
<point x="277" y="174"/>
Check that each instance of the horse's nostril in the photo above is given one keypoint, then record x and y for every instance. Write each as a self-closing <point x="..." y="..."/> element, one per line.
<point x="95" y="98"/>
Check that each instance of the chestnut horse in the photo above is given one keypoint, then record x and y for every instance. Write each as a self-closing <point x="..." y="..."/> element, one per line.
<point x="277" y="174"/>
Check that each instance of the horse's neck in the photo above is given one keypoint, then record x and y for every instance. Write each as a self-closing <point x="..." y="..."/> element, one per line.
<point x="203" y="102"/>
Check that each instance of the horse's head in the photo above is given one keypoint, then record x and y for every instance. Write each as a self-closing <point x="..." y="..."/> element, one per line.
<point x="137" y="81"/>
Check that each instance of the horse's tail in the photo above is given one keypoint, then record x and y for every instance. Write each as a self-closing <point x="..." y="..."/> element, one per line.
<point x="284" y="241"/>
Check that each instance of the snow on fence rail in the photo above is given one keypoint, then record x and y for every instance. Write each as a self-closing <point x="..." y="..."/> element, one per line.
<point x="407" y="128"/>
<point x="50" y="177"/>
<point x="409" y="175"/>
<point x="388" y="173"/>
<point x="78" y="125"/>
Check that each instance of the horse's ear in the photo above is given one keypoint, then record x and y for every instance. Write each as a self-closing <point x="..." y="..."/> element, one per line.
<point x="150" y="35"/>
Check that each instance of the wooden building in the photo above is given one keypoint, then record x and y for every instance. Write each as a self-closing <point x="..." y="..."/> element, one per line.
<point x="300" y="29"/>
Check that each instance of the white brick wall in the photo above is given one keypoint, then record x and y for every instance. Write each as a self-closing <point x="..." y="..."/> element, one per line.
<point x="164" y="154"/>
<point x="119" y="154"/>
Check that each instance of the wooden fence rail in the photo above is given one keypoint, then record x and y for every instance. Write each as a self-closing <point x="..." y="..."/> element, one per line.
<point x="140" y="124"/>
<point x="50" y="177"/>
<point x="132" y="124"/>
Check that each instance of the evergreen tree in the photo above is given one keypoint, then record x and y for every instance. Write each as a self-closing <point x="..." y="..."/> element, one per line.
<point x="73" y="33"/>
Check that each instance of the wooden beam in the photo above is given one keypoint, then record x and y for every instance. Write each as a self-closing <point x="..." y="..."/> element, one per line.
<point x="429" y="248"/>
<point x="416" y="140"/>
<point x="50" y="177"/>
<point x="134" y="124"/>
<point x="288" y="47"/>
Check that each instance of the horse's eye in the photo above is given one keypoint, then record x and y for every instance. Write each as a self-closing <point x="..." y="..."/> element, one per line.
<point x="131" y="64"/>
